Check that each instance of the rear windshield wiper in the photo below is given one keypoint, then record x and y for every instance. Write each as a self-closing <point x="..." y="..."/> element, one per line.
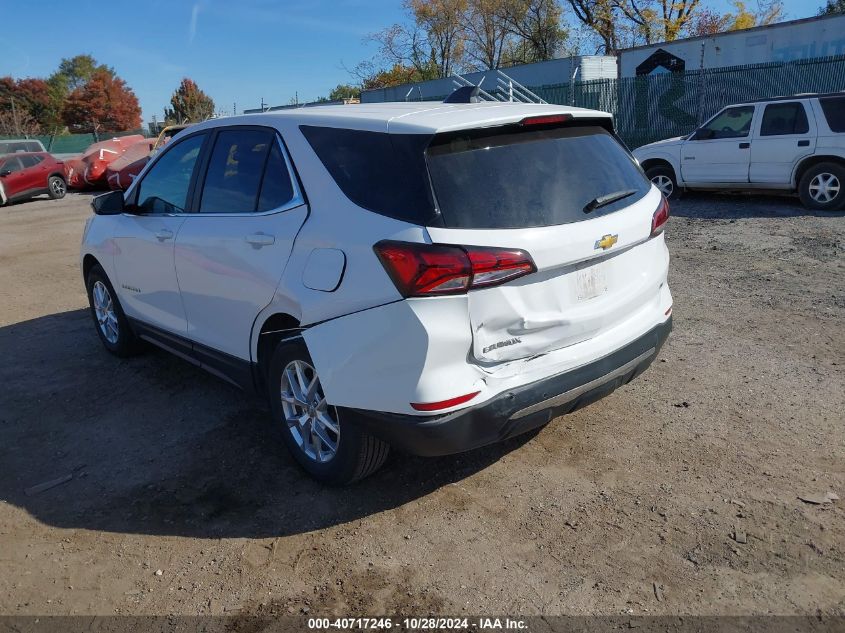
<point x="607" y="198"/>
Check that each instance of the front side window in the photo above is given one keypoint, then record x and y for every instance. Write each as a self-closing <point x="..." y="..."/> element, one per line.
<point x="165" y="187"/>
<point x="784" y="118"/>
<point x="235" y="171"/>
<point x="730" y="123"/>
<point x="834" y="112"/>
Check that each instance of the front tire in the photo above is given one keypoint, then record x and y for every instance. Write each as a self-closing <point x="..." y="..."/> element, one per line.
<point x="663" y="178"/>
<point x="332" y="450"/>
<point x="56" y="187"/>
<point x="822" y="187"/>
<point x="113" y="327"/>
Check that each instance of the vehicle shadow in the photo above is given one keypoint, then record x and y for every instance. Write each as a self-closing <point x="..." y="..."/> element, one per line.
<point x="738" y="205"/>
<point x="153" y="445"/>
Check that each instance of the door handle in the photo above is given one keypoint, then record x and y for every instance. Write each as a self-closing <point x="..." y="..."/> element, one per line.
<point x="804" y="143"/>
<point x="164" y="234"/>
<point x="744" y="145"/>
<point x="260" y="239"/>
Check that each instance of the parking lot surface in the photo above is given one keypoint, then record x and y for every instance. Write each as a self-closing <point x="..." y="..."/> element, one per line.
<point x="677" y="494"/>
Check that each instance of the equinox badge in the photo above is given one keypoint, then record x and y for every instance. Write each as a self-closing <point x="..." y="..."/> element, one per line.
<point x="606" y="242"/>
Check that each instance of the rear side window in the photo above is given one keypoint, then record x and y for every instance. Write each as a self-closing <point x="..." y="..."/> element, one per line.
<point x="381" y="172"/>
<point x="518" y="179"/>
<point x="784" y="118"/>
<point x="276" y="188"/>
<point x="31" y="161"/>
<point x="234" y="171"/>
<point x="834" y="112"/>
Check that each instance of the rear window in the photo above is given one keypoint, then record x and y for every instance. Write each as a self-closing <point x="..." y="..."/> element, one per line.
<point x="381" y="172"/>
<point x="515" y="179"/>
<point x="834" y="112"/>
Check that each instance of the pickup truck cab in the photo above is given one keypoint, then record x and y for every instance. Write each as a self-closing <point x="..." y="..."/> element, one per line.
<point x="786" y="143"/>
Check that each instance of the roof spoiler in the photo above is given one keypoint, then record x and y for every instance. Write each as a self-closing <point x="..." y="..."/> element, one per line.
<point x="464" y="94"/>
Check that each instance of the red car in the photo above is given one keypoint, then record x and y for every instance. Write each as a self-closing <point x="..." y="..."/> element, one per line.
<point x="27" y="174"/>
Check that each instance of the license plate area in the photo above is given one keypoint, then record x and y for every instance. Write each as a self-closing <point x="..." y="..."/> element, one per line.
<point x="590" y="282"/>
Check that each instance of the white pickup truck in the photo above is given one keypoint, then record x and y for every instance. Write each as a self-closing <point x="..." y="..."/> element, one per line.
<point x="788" y="143"/>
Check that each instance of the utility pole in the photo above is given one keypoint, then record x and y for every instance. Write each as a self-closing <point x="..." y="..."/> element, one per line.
<point x="262" y="104"/>
<point x="15" y="117"/>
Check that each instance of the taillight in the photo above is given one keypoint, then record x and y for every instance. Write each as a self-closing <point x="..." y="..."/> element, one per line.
<point x="658" y="220"/>
<point x="424" y="270"/>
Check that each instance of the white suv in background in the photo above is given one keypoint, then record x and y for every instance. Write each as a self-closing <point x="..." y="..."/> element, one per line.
<point x="788" y="143"/>
<point x="435" y="277"/>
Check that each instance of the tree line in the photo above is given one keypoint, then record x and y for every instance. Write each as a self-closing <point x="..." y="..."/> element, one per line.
<point x="440" y="38"/>
<point x="84" y="96"/>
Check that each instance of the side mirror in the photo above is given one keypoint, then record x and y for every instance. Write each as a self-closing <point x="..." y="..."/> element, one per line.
<point x="5" y="172"/>
<point x="110" y="203"/>
<point x="703" y="134"/>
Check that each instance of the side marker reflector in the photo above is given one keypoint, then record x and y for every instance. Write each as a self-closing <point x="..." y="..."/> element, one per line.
<point x="443" y="404"/>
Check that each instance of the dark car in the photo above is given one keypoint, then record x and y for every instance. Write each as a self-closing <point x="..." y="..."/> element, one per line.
<point x="27" y="174"/>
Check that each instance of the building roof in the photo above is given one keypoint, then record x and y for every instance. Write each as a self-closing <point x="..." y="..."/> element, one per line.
<point x="753" y="29"/>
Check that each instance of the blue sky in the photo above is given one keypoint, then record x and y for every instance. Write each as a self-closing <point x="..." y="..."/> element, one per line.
<point x="238" y="51"/>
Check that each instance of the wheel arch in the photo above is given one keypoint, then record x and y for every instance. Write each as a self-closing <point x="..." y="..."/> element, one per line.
<point x="88" y="262"/>
<point x="57" y="174"/>
<point x="275" y="328"/>
<point x="810" y="162"/>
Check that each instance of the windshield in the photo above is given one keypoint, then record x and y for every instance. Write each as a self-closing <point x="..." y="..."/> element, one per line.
<point x="517" y="179"/>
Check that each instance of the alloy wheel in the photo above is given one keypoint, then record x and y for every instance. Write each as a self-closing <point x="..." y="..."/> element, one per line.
<point x="306" y="412"/>
<point x="104" y="310"/>
<point x="664" y="184"/>
<point x="58" y="187"/>
<point x="824" y="187"/>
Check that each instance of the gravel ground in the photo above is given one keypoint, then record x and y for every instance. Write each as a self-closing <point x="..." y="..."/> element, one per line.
<point x="678" y="494"/>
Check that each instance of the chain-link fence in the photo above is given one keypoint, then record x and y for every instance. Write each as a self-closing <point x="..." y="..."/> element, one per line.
<point x="660" y="106"/>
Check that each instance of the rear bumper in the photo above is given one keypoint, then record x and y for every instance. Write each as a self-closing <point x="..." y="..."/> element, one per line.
<point x="516" y="410"/>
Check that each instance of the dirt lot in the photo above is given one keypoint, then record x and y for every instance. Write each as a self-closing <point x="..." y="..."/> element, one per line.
<point x="179" y="503"/>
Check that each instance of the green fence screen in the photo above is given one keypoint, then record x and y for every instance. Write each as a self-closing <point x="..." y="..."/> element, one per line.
<point x="655" y="107"/>
<point x="73" y="143"/>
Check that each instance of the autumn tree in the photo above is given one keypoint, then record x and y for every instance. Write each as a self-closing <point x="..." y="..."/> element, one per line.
<point x="344" y="91"/>
<point x="431" y="42"/>
<point x="659" y="20"/>
<point x="708" y="22"/>
<point x="27" y="103"/>
<point x="833" y="7"/>
<point x="396" y="75"/>
<point x="486" y="33"/>
<point x="103" y="104"/>
<point x="601" y="17"/>
<point x="537" y="29"/>
<point x="189" y="104"/>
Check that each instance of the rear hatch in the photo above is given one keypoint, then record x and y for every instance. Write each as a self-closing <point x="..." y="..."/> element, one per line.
<point x="573" y="198"/>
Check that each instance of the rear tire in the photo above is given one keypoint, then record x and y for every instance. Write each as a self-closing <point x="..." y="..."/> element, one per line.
<point x="663" y="178"/>
<point x="332" y="450"/>
<point x="56" y="187"/>
<point x="822" y="187"/>
<point x="111" y="323"/>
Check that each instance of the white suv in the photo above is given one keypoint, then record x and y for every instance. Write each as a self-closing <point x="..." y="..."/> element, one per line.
<point x="435" y="277"/>
<point x="787" y="143"/>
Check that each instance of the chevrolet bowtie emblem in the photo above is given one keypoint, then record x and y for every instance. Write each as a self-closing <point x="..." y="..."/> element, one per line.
<point x="606" y="242"/>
